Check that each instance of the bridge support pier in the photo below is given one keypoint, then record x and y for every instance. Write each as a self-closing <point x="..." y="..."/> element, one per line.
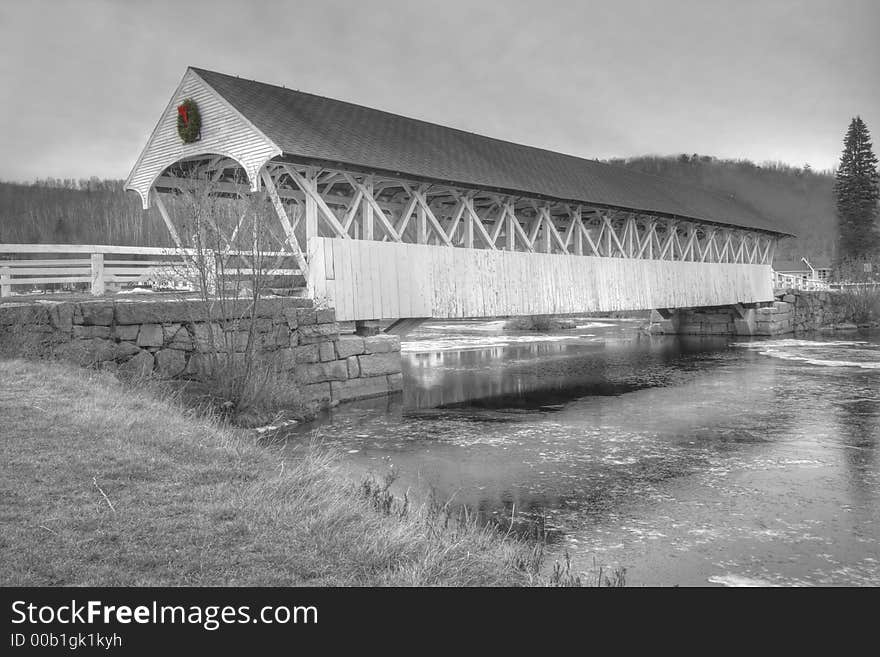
<point x="738" y="319"/>
<point x="367" y="327"/>
<point x="745" y="319"/>
<point x="665" y="321"/>
<point x="402" y="327"/>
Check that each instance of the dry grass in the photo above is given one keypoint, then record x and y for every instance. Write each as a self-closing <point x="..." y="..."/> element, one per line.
<point x="860" y="304"/>
<point x="110" y="485"/>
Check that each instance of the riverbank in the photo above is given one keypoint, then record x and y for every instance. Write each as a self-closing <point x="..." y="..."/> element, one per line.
<point x="108" y="485"/>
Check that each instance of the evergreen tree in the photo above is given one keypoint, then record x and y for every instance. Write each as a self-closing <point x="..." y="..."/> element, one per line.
<point x="857" y="192"/>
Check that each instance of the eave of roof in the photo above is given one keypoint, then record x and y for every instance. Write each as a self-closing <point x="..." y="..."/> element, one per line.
<point x="315" y="129"/>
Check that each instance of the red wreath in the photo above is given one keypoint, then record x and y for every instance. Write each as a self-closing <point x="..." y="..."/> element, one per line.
<point x="189" y="121"/>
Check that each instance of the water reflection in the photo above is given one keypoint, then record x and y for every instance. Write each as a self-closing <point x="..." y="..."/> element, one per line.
<point x="686" y="460"/>
<point x="859" y="426"/>
<point x="542" y="373"/>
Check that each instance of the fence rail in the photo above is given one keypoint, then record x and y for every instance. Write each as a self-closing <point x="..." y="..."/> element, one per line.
<point x="791" y="281"/>
<point x="104" y="267"/>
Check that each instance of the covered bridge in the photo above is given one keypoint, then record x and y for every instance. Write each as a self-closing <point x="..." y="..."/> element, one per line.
<point x="392" y="217"/>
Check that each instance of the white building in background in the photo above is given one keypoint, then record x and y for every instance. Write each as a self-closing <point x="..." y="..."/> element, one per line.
<point x="805" y="270"/>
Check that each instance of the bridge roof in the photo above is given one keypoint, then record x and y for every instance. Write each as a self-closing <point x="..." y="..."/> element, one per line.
<point x="307" y="127"/>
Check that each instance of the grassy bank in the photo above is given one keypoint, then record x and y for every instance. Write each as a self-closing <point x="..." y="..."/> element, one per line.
<point x="103" y="484"/>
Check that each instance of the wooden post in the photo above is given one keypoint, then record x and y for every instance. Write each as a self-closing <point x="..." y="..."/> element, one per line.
<point x="311" y="209"/>
<point x="629" y="237"/>
<point x="545" y="237"/>
<point x="5" y="278"/>
<point x="469" y="225"/>
<point x="97" y="274"/>
<point x="367" y="210"/>
<point x="509" y="229"/>
<point x="421" y="225"/>
<point x="607" y="237"/>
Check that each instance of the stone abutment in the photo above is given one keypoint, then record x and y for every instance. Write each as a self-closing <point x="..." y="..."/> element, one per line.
<point x="173" y="339"/>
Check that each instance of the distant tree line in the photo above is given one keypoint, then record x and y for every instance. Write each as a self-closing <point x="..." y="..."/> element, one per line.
<point x="95" y="211"/>
<point x="797" y="199"/>
<point x="68" y="211"/>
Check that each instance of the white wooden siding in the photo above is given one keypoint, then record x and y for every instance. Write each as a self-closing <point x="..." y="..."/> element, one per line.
<point x="224" y="132"/>
<point x="374" y="280"/>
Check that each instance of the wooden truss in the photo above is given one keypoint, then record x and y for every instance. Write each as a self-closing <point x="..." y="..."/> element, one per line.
<point x="313" y="201"/>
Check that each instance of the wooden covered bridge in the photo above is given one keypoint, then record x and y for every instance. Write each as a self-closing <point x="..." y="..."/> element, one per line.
<point x="391" y="217"/>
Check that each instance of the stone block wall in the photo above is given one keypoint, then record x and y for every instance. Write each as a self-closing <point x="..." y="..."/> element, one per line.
<point x="704" y="321"/>
<point x="723" y="320"/>
<point x="811" y="310"/>
<point x="173" y="339"/>
<point x="776" y="318"/>
<point x="793" y="311"/>
<point x="803" y="311"/>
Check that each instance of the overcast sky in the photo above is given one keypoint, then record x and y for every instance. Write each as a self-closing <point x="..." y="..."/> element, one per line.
<point x="84" y="82"/>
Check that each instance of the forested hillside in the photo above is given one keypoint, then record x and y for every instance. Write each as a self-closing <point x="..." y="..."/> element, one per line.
<point x="100" y="212"/>
<point x="77" y="212"/>
<point x="799" y="200"/>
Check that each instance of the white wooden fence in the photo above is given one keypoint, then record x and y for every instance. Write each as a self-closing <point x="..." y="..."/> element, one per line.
<point x="105" y="267"/>
<point x="793" y="282"/>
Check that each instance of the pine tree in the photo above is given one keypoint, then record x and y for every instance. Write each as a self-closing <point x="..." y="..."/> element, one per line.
<point x="857" y="192"/>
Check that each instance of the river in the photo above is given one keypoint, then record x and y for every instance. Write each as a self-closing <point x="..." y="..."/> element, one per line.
<point x="687" y="461"/>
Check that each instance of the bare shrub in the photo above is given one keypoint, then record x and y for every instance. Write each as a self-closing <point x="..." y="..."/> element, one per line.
<point x="859" y="284"/>
<point x="234" y="247"/>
